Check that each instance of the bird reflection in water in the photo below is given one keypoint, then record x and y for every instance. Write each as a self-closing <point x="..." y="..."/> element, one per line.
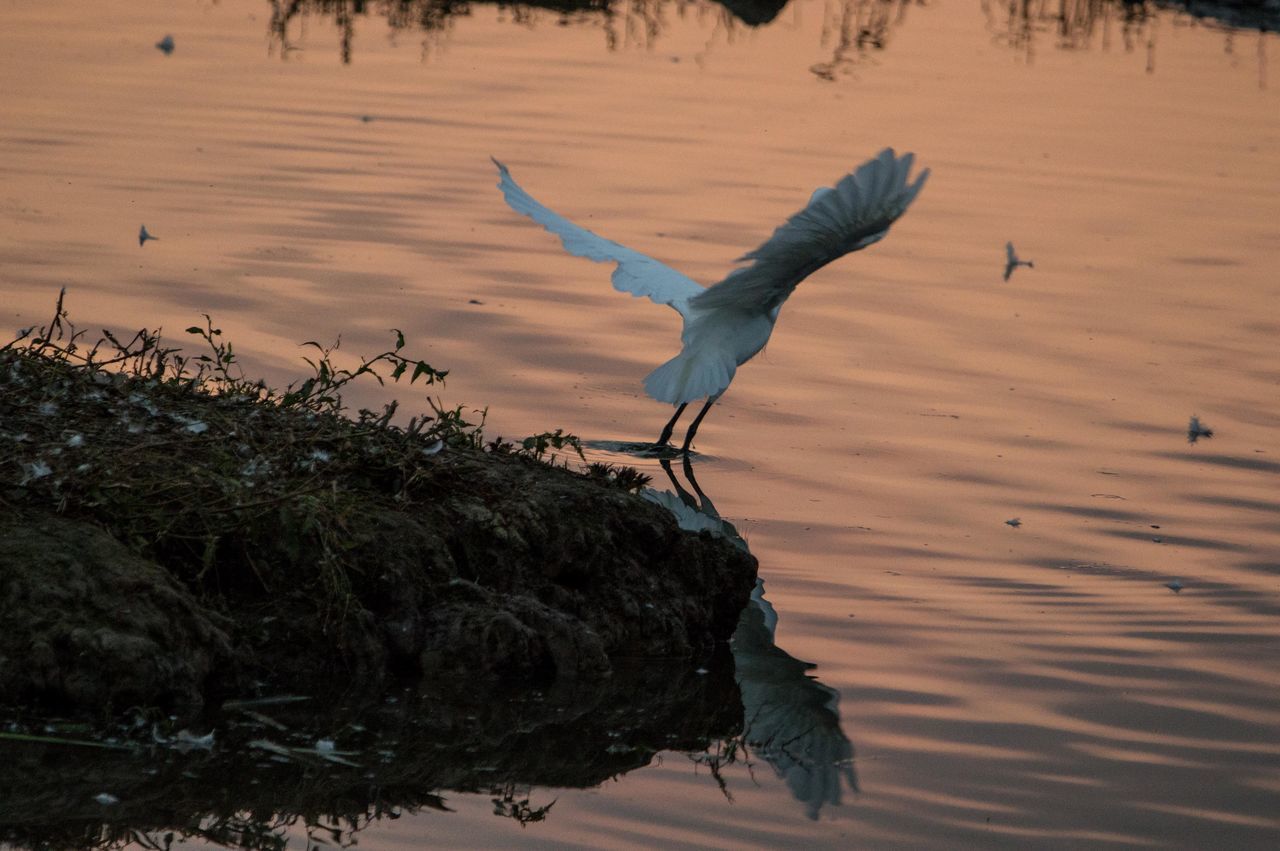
<point x="790" y="720"/>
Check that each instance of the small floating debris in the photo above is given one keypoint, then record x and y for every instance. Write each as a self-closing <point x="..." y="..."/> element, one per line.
<point x="13" y="735"/>
<point x="184" y="740"/>
<point x="1197" y="429"/>
<point x="34" y="471"/>
<point x="1012" y="261"/>
<point x="165" y="45"/>
<point x="1175" y="586"/>
<point x="106" y="799"/>
<point x="144" y="235"/>
<point x="335" y="756"/>
<point x="1014" y="522"/>
<point x="187" y="740"/>
<point x="271" y="748"/>
<point x="324" y="749"/>
<point x="264" y="720"/>
<point x="278" y="700"/>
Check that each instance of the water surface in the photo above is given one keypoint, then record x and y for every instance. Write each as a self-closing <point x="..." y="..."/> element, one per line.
<point x="1036" y="685"/>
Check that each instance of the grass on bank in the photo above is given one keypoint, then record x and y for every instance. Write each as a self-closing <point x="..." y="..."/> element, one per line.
<point x="213" y="474"/>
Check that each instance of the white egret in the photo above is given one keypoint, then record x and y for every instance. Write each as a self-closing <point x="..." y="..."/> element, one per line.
<point x="1012" y="261"/>
<point x="726" y="324"/>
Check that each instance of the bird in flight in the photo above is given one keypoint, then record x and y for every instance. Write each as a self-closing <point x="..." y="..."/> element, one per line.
<point x="1012" y="262"/>
<point x="144" y="235"/>
<point x="1197" y="429"/>
<point x="728" y="323"/>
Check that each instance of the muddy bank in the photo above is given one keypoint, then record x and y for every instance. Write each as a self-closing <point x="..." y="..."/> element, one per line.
<point x="170" y="539"/>
<point x="333" y="766"/>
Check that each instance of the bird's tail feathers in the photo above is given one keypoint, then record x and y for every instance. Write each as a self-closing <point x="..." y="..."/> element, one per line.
<point x="695" y="373"/>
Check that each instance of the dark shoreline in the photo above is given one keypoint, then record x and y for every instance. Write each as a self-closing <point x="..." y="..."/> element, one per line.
<point x="164" y="545"/>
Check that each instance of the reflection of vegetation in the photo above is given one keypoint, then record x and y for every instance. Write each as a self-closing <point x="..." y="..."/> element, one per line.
<point x="625" y="22"/>
<point x="519" y="809"/>
<point x="1073" y="24"/>
<point x="723" y="754"/>
<point x="852" y="30"/>
<point x="329" y="770"/>
<point x="855" y="28"/>
<point x="430" y="17"/>
<point x="1082" y="24"/>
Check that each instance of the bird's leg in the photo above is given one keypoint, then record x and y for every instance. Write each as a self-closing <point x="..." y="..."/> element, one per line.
<point x="688" y="474"/>
<point x="705" y="505"/>
<point x="665" y="437"/>
<point x="697" y="421"/>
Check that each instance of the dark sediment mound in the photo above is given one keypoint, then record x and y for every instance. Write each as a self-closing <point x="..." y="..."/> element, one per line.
<point x="90" y="624"/>
<point x="170" y="538"/>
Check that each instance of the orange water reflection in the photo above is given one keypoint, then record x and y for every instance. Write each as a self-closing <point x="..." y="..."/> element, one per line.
<point x="1003" y="686"/>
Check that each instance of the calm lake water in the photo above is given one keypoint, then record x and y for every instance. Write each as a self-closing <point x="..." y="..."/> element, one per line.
<point x="1032" y="685"/>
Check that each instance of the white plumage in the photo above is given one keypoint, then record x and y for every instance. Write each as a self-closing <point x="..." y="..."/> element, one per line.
<point x="726" y="324"/>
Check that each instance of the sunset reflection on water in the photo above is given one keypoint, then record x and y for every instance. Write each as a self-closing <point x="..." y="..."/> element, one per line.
<point x="1036" y="685"/>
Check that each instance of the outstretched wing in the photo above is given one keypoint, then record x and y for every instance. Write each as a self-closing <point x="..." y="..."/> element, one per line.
<point x="636" y="273"/>
<point x="853" y="214"/>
